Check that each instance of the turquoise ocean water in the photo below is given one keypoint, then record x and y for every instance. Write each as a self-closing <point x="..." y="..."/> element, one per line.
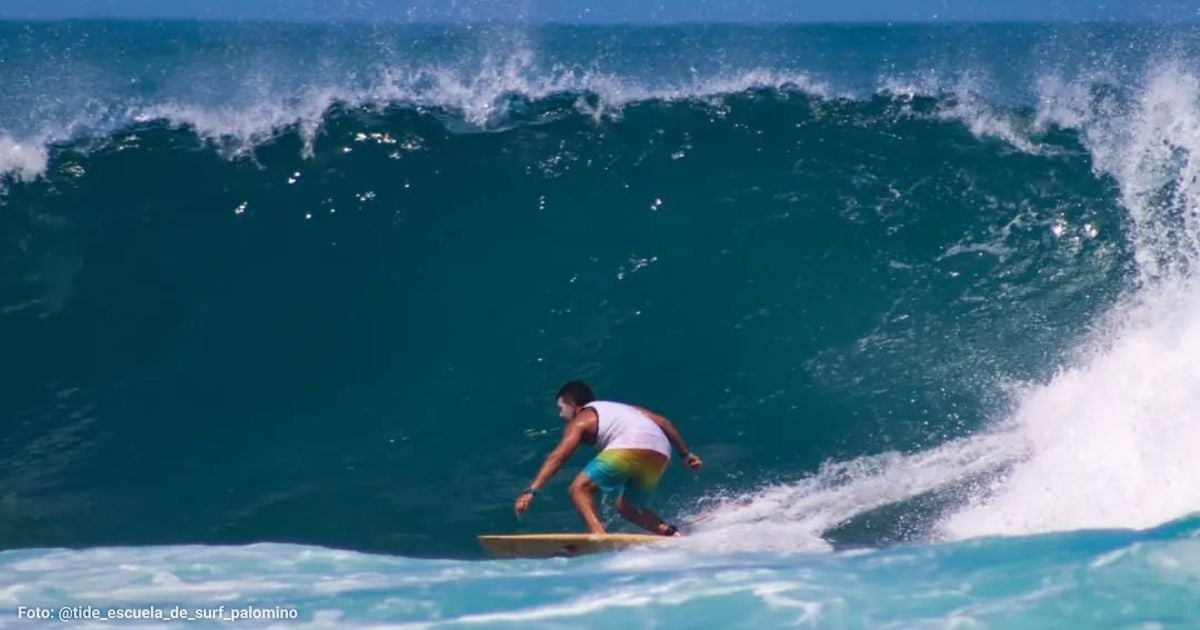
<point x="283" y="309"/>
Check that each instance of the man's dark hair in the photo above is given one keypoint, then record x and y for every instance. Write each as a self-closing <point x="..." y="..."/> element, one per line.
<point x="577" y="393"/>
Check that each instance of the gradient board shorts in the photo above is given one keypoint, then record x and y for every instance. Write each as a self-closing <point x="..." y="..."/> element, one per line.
<point x="633" y="472"/>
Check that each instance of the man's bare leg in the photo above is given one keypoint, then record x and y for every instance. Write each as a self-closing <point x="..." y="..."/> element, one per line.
<point x="642" y="517"/>
<point x="582" y="493"/>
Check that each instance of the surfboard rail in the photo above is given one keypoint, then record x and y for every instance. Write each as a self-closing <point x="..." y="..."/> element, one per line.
<point x="561" y="545"/>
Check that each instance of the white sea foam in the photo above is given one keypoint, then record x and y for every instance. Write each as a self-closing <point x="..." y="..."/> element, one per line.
<point x="23" y="159"/>
<point x="1112" y="439"/>
<point x="1112" y="436"/>
<point x="793" y="516"/>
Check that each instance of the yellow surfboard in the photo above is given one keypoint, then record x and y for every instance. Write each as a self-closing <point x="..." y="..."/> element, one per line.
<point x="554" y="545"/>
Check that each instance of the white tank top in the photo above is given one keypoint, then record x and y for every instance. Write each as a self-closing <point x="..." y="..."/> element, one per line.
<point x="624" y="426"/>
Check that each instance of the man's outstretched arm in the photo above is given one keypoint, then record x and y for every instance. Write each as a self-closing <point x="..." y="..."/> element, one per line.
<point x="572" y="436"/>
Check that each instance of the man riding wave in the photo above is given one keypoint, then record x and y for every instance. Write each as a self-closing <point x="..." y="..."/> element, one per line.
<point x="635" y="447"/>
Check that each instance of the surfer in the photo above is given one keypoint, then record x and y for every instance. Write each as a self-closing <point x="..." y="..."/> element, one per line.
<point x="635" y="446"/>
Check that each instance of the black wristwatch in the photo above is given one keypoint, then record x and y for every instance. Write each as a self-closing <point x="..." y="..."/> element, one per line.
<point x="529" y="490"/>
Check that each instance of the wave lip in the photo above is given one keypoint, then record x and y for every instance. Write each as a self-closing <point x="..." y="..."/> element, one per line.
<point x="1148" y="141"/>
<point x="484" y="101"/>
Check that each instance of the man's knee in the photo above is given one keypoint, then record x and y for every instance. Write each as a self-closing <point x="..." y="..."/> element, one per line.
<point x="582" y="485"/>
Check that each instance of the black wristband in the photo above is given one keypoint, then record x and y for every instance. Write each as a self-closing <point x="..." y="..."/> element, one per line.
<point x="529" y="490"/>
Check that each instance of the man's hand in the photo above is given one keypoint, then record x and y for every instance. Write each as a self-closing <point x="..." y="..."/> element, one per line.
<point x="693" y="461"/>
<point x="523" y="502"/>
<point x="572" y="436"/>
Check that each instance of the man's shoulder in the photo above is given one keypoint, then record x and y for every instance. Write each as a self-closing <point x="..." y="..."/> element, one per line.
<point x="586" y="418"/>
<point x="614" y="403"/>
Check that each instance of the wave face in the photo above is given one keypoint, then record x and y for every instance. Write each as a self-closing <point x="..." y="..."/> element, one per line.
<point x="317" y="284"/>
